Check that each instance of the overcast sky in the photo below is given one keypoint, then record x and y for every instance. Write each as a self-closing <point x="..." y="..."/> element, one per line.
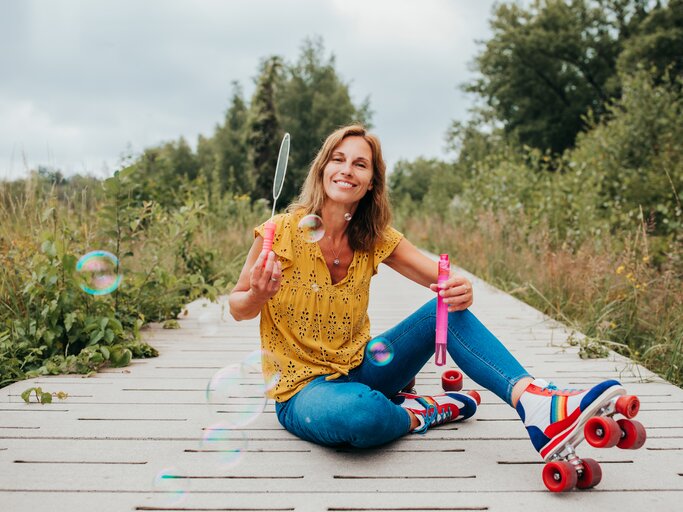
<point x="84" y="80"/>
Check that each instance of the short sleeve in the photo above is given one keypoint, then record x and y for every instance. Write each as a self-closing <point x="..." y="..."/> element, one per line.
<point x="385" y="247"/>
<point x="282" y="242"/>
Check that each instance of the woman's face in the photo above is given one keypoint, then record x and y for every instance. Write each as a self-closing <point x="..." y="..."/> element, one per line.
<point x="347" y="176"/>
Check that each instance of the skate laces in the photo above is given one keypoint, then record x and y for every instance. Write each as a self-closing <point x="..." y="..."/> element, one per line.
<point x="432" y="415"/>
<point x="551" y="386"/>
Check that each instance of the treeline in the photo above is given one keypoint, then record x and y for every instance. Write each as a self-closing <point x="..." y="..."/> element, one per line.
<point x="566" y="184"/>
<point x="179" y="222"/>
<point x="306" y="98"/>
<point x="578" y="121"/>
<point x="563" y="188"/>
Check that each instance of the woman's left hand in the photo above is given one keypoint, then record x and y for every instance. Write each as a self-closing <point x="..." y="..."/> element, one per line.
<point x="456" y="293"/>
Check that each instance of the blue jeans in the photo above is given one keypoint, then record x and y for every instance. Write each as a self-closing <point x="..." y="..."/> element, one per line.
<point x="357" y="410"/>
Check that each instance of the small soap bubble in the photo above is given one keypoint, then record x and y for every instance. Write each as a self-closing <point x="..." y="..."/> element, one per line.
<point x="228" y="397"/>
<point x="98" y="273"/>
<point x="228" y="445"/>
<point x="236" y="394"/>
<point x="379" y="351"/>
<point x="262" y="364"/>
<point x="172" y="485"/>
<point x="311" y="227"/>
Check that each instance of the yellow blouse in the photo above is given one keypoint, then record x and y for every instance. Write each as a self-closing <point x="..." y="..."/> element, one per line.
<point x="312" y="327"/>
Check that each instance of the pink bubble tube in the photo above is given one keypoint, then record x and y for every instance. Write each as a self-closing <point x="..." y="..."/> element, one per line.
<point x="440" y="349"/>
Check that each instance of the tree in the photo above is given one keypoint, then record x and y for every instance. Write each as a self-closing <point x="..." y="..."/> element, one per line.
<point x="263" y="128"/>
<point x="312" y="102"/>
<point x="231" y="149"/>
<point x="657" y="42"/>
<point x="547" y="65"/>
<point x="421" y="179"/>
<point x="307" y="99"/>
<point x="637" y="155"/>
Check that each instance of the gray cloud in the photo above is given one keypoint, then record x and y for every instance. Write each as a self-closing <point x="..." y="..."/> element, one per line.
<point x="83" y="80"/>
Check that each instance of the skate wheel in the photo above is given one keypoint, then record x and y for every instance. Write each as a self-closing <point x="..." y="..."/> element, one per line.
<point x="475" y="395"/>
<point x="602" y="432"/>
<point x="410" y="387"/>
<point x="559" y="476"/>
<point x="632" y="434"/>
<point x="451" y="380"/>
<point x="628" y="405"/>
<point x="590" y="475"/>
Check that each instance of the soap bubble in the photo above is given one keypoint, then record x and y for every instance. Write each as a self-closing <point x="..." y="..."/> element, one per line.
<point x="227" y="444"/>
<point x="263" y="364"/>
<point x="98" y="273"/>
<point x="172" y="484"/>
<point x="379" y="351"/>
<point x="236" y="394"/>
<point x="311" y="227"/>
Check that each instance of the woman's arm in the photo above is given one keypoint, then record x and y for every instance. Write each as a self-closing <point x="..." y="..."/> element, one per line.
<point x="257" y="282"/>
<point x="408" y="261"/>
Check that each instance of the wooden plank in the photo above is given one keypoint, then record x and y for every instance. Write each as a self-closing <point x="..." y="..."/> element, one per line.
<point x="118" y="437"/>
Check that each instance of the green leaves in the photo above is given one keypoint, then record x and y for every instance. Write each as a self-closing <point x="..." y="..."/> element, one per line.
<point x="41" y="396"/>
<point x="550" y="63"/>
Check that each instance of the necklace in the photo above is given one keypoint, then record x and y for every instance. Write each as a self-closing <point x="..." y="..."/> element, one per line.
<point x="336" y="261"/>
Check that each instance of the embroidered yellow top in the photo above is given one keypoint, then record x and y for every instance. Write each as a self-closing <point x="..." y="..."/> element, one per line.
<point x="312" y="327"/>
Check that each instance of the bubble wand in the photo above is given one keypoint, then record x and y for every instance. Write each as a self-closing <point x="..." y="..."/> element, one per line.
<point x="280" y="171"/>
<point x="440" y="349"/>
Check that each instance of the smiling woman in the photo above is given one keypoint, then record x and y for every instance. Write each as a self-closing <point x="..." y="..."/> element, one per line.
<point x="313" y="294"/>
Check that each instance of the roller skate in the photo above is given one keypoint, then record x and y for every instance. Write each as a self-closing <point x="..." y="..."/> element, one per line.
<point x="439" y="409"/>
<point x="559" y="420"/>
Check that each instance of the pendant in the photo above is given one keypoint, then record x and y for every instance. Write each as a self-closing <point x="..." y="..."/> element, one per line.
<point x="336" y="261"/>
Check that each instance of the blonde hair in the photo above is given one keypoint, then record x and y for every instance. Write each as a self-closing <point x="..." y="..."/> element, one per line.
<point x="373" y="214"/>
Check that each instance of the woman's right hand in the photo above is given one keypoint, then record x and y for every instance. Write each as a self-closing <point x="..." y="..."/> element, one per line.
<point x="264" y="279"/>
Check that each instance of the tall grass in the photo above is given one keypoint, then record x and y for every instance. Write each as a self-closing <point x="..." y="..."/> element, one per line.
<point x="608" y="287"/>
<point x="168" y="257"/>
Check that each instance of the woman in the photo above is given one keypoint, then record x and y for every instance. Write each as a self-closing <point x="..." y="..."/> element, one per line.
<point x="313" y="298"/>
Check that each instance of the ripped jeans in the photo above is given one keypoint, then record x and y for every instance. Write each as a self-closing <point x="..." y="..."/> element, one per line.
<point x="357" y="409"/>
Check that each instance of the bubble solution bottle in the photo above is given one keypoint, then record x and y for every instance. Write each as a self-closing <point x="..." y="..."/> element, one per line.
<point x="441" y="313"/>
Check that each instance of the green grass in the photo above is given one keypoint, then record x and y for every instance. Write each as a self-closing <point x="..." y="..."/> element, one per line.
<point x="608" y="287"/>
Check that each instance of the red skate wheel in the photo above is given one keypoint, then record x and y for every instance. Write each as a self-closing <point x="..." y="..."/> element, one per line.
<point x="591" y="474"/>
<point x="559" y="476"/>
<point x="410" y="387"/>
<point x="602" y="432"/>
<point x="632" y="434"/>
<point x="475" y="395"/>
<point x="451" y="380"/>
<point x="628" y="405"/>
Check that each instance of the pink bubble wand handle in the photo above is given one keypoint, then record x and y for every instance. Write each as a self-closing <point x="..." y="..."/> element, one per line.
<point x="440" y="349"/>
<point x="268" y="236"/>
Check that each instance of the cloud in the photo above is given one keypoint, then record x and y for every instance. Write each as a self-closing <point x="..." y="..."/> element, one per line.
<point x="87" y="79"/>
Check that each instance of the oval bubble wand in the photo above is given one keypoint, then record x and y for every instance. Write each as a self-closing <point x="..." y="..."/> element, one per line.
<point x="441" y="313"/>
<point x="280" y="171"/>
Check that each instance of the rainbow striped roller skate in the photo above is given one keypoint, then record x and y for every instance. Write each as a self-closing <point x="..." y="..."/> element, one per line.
<point x="559" y="420"/>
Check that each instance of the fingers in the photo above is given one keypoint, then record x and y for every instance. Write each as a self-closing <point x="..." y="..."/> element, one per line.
<point x="266" y="274"/>
<point x="276" y="275"/>
<point x="268" y="267"/>
<point x="456" y="293"/>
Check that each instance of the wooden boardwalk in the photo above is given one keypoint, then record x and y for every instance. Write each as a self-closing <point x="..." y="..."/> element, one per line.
<point x="130" y="438"/>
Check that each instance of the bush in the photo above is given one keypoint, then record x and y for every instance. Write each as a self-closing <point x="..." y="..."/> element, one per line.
<point x="168" y="258"/>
